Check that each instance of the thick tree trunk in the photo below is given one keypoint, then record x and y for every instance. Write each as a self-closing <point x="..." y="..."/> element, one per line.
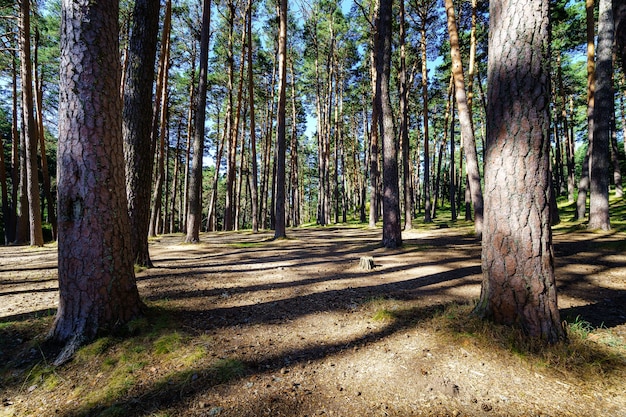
<point x="517" y="261"/>
<point x="194" y="218"/>
<point x="602" y="115"/>
<point x="465" y="120"/>
<point x="30" y="129"/>
<point x="97" y="289"/>
<point x="137" y="123"/>
<point x="392" y="232"/>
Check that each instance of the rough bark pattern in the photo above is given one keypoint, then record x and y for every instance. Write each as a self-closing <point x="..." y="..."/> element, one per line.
<point x="392" y="232"/>
<point x="517" y="259"/>
<point x="137" y="123"/>
<point x="602" y="114"/>
<point x="97" y="288"/>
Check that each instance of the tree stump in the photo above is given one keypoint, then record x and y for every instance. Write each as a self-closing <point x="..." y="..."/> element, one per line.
<point x="366" y="262"/>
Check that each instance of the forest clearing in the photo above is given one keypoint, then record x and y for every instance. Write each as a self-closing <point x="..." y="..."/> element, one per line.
<point x="244" y="325"/>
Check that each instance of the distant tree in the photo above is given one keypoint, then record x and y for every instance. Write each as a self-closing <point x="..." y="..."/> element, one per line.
<point x="97" y="288"/>
<point x="137" y="122"/>
<point x="518" y="263"/>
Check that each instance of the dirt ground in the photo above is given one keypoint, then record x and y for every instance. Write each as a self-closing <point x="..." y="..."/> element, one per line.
<point x="302" y="316"/>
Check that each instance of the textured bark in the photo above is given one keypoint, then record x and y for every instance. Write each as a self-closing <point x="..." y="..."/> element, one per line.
<point x="137" y="123"/>
<point x="602" y="114"/>
<point x="465" y="120"/>
<point x="194" y="218"/>
<point x="30" y="129"/>
<point x="97" y="289"/>
<point x="392" y="231"/>
<point x="517" y="259"/>
<point x="279" y="226"/>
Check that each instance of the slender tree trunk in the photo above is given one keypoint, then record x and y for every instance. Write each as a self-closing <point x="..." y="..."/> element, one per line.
<point x="602" y="114"/>
<point x="279" y="227"/>
<point x="392" y="232"/>
<point x="45" y="172"/>
<point x="374" y="147"/>
<point x="172" y="219"/>
<point x="583" y="184"/>
<point x="404" y="126"/>
<point x="295" y="199"/>
<point x="157" y="204"/>
<point x="617" y="173"/>
<point x="254" y="180"/>
<point x="194" y="218"/>
<point x="465" y="120"/>
<point x="426" y="187"/>
<point x="231" y="162"/>
<point x="30" y="129"/>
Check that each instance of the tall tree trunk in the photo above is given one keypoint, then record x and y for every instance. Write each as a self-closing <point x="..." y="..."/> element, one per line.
<point x="602" y="114"/>
<point x="427" y="196"/>
<point x="254" y="197"/>
<point x="97" y="288"/>
<point x="172" y="218"/>
<point x="231" y="161"/>
<point x="11" y="219"/>
<point x="294" y="171"/>
<point x="373" y="145"/>
<point x="190" y="135"/>
<point x="404" y="126"/>
<point x="137" y="122"/>
<point x="583" y="184"/>
<point x="30" y="129"/>
<point x="518" y="263"/>
<point x="569" y="141"/>
<point x="45" y="172"/>
<point x="194" y="218"/>
<point x="392" y="231"/>
<point x="465" y="120"/>
<point x="279" y="226"/>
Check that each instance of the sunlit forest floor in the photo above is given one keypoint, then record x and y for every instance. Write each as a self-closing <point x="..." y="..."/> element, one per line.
<point x="242" y="325"/>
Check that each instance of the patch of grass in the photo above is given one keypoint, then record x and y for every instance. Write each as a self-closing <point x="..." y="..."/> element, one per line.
<point x="383" y="315"/>
<point x="95" y="348"/>
<point x="226" y="370"/>
<point x="167" y="343"/>
<point x="580" y="328"/>
<point x="581" y="355"/>
<point x="44" y="376"/>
